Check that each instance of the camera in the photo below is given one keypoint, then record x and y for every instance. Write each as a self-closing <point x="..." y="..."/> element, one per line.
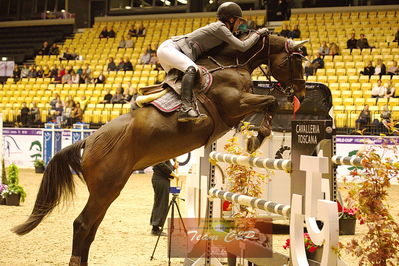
<point x="174" y="190"/>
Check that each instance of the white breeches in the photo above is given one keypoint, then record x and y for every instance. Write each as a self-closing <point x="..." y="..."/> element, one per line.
<point x="170" y="56"/>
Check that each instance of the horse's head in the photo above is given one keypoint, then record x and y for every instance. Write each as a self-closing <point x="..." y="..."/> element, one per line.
<point x="285" y="64"/>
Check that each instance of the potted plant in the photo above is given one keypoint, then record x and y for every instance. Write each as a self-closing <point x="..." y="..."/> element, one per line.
<point x="3" y="192"/>
<point x="347" y="220"/>
<point x="313" y="251"/>
<point x="39" y="166"/>
<point x="14" y="193"/>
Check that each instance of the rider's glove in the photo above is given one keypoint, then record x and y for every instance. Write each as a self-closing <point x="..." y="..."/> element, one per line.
<point x="262" y="31"/>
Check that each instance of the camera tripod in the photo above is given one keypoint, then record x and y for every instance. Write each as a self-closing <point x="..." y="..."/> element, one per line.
<point x="172" y="205"/>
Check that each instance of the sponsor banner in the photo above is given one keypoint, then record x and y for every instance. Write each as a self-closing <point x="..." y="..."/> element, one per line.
<point x="22" y="146"/>
<point x="349" y="145"/>
<point x="220" y="238"/>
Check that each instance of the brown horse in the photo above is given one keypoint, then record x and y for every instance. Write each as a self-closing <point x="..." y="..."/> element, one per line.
<point x="147" y="136"/>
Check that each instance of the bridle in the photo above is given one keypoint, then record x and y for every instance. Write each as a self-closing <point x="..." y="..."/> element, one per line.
<point x="286" y="88"/>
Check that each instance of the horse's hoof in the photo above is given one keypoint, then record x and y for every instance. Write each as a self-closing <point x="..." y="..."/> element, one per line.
<point x="74" y="261"/>
<point x="253" y="144"/>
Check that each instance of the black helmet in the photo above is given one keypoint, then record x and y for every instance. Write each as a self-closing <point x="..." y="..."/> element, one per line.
<point x="228" y="10"/>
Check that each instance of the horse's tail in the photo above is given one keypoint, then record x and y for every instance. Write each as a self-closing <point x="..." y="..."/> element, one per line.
<point x="57" y="182"/>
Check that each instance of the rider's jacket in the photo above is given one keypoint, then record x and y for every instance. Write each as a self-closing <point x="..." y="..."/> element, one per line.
<point x="203" y="39"/>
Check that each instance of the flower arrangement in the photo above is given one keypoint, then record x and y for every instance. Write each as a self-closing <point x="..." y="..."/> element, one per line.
<point x="13" y="183"/>
<point x="309" y="245"/>
<point x="3" y="190"/>
<point x="347" y="213"/>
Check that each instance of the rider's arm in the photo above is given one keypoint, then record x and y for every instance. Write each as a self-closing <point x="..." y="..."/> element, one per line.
<point x="225" y="34"/>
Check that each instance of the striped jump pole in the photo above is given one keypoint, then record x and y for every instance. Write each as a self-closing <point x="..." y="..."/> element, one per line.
<point x="274" y="164"/>
<point x="347" y="160"/>
<point x="257" y="203"/>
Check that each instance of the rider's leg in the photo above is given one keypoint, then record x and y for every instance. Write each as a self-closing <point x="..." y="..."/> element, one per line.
<point x="169" y="55"/>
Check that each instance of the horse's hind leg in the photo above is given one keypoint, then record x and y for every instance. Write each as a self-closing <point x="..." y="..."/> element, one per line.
<point x="86" y="224"/>
<point x="89" y="239"/>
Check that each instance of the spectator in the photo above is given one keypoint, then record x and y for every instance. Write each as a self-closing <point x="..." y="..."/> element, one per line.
<point x="154" y="59"/>
<point x="129" y="93"/>
<point x="324" y="50"/>
<point x="53" y="102"/>
<point x="121" y="64"/>
<point x="111" y="33"/>
<point x="129" y="43"/>
<point x="107" y="97"/>
<point x="23" y="117"/>
<point x="88" y="70"/>
<point x="70" y="101"/>
<point x="67" y="115"/>
<point x="67" y="55"/>
<point x="378" y="90"/>
<point x="118" y="96"/>
<point x="132" y="31"/>
<point x="111" y="65"/>
<point x="62" y="70"/>
<point x="77" y="114"/>
<point x="35" y="114"/>
<point x="296" y="33"/>
<point x="128" y="65"/>
<point x="385" y="116"/>
<point x="80" y="70"/>
<point x="56" y="111"/>
<point x="396" y="36"/>
<point x="362" y="43"/>
<point x="54" y="50"/>
<point x="380" y="68"/>
<point x="104" y="33"/>
<point x="74" y="54"/>
<point x="389" y="90"/>
<point x="149" y="49"/>
<point x="122" y="43"/>
<point x="44" y="50"/>
<point x="46" y="71"/>
<point x="141" y="31"/>
<point x="24" y="71"/>
<point x="83" y="101"/>
<point x="100" y="79"/>
<point x="309" y="68"/>
<point x="364" y="117"/>
<point x="393" y="70"/>
<point x="304" y="50"/>
<point x="58" y="78"/>
<point x="75" y="78"/>
<point x="368" y="70"/>
<point x="352" y="42"/>
<point x="286" y="32"/>
<point x="16" y="74"/>
<point x="39" y="72"/>
<point x="67" y="78"/>
<point x="84" y="78"/>
<point x="318" y="62"/>
<point x="334" y="49"/>
<point x="54" y="71"/>
<point x="145" y="58"/>
<point x="32" y="72"/>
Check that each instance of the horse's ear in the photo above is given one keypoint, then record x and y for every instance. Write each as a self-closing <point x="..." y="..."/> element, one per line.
<point x="295" y="45"/>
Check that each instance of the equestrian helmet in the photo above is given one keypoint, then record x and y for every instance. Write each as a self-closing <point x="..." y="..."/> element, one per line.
<point x="229" y="10"/>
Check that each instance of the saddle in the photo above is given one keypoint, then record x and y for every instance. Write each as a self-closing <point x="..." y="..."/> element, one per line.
<point x="171" y="85"/>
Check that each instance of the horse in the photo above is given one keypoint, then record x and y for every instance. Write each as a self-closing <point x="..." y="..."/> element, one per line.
<point x="147" y="136"/>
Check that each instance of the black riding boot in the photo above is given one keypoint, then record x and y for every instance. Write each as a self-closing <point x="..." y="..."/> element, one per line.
<point x="188" y="111"/>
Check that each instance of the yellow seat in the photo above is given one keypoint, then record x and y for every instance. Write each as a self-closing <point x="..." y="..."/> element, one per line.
<point x="340" y="120"/>
<point x="359" y="102"/>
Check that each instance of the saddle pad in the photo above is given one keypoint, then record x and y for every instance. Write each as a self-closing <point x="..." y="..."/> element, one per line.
<point x="173" y="80"/>
<point x="168" y="102"/>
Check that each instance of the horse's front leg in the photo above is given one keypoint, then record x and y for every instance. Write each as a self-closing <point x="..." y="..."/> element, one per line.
<point x="266" y="104"/>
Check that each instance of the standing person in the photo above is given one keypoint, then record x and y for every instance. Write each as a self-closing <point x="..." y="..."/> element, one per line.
<point x="180" y="52"/>
<point x="163" y="173"/>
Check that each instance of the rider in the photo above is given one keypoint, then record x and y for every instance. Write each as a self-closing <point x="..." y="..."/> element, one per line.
<point x="180" y="52"/>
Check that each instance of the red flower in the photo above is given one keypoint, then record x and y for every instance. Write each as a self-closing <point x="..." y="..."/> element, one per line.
<point x="339" y="207"/>
<point x="312" y="249"/>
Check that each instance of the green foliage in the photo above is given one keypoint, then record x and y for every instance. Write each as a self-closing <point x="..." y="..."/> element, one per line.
<point x="368" y="193"/>
<point x="3" y="173"/>
<point x="38" y="163"/>
<point x="13" y="182"/>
